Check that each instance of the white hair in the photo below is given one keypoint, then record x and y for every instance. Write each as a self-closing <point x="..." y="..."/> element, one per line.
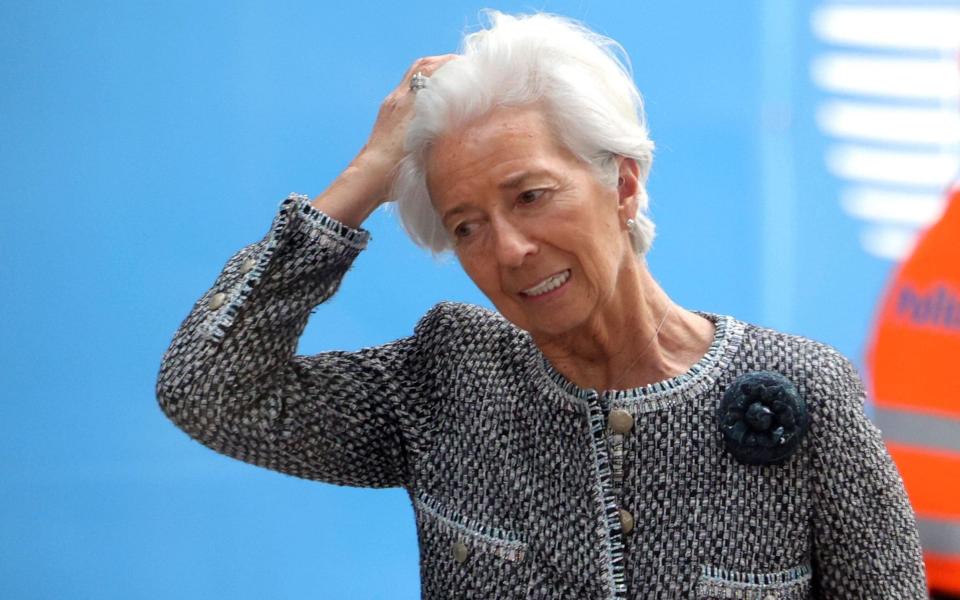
<point x="587" y="92"/>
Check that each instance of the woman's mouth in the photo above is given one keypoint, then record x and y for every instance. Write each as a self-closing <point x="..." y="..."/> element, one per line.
<point x="547" y="285"/>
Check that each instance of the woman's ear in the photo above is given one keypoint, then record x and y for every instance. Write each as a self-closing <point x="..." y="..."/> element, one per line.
<point x="628" y="186"/>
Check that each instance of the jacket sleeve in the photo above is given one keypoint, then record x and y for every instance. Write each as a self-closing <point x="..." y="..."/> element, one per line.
<point x="865" y="543"/>
<point x="230" y="378"/>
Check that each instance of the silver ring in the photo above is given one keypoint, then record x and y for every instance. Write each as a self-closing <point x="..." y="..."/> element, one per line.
<point x="418" y="81"/>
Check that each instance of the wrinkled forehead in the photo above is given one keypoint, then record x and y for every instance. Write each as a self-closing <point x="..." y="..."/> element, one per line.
<point x="491" y="148"/>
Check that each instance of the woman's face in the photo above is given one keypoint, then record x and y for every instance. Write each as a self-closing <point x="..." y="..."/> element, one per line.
<point x="532" y="226"/>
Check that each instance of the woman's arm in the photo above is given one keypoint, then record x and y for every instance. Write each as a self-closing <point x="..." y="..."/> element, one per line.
<point x="230" y="378"/>
<point x="865" y="534"/>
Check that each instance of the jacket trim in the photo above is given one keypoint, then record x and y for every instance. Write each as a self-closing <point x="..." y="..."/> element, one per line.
<point x="617" y="585"/>
<point x="222" y="318"/>
<point x="355" y="238"/>
<point x="669" y="392"/>
<point x="730" y="576"/>
<point x="503" y="543"/>
<point x="739" y="585"/>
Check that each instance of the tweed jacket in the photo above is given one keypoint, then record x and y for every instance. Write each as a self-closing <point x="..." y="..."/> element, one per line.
<point x="521" y="483"/>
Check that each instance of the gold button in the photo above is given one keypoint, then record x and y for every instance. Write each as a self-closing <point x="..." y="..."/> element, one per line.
<point x="248" y="265"/>
<point x="621" y="421"/>
<point x="460" y="551"/>
<point x="217" y="300"/>
<point x="626" y="521"/>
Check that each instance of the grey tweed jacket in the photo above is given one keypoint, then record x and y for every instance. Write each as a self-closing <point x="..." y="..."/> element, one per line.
<point x="520" y="485"/>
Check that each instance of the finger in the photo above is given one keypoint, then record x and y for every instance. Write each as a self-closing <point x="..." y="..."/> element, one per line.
<point x="438" y="61"/>
<point x="427" y="65"/>
<point x="418" y="65"/>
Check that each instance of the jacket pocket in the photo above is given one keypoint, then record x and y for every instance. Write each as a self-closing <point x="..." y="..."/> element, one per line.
<point x="789" y="584"/>
<point x="463" y="557"/>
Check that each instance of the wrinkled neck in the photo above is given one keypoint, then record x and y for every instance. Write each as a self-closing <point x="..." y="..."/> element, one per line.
<point x="636" y="337"/>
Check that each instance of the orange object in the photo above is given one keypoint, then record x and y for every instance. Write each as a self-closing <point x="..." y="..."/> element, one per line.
<point x="925" y="473"/>
<point x="914" y="363"/>
<point x="943" y="572"/>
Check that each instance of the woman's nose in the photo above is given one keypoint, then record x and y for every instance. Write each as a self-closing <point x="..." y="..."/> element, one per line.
<point x="512" y="244"/>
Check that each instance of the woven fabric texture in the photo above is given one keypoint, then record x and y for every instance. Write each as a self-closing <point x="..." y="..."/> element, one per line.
<point x="517" y="480"/>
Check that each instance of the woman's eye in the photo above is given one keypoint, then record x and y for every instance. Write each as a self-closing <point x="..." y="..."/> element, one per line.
<point x="462" y="230"/>
<point x="530" y="196"/>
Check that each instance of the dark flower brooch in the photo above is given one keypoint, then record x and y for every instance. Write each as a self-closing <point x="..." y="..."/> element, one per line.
<point x="763" y="418"/>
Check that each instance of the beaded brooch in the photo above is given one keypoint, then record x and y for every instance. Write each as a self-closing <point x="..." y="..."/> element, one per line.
<point x="762" y="418"/>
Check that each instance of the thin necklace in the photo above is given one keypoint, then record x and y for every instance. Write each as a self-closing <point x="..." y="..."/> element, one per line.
<point x="644" y="351"/>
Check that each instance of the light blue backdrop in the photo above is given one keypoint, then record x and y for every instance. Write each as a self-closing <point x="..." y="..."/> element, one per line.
<point x="144" y="142"/>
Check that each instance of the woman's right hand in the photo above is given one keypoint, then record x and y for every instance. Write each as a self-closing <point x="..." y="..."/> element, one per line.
<point x="366" y="182"/>
<point x="385" y="145"/>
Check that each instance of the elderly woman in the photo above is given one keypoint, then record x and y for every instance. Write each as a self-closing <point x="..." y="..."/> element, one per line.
<point x="590" y="439"/>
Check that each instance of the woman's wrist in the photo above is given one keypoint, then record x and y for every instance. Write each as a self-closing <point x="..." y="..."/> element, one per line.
<point x="356" y="192"/>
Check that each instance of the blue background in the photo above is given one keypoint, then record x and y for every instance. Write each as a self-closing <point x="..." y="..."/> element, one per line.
<point x="143" y="143"/>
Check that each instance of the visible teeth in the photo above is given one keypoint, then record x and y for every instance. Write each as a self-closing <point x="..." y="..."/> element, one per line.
<point x="548" y="285"/>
